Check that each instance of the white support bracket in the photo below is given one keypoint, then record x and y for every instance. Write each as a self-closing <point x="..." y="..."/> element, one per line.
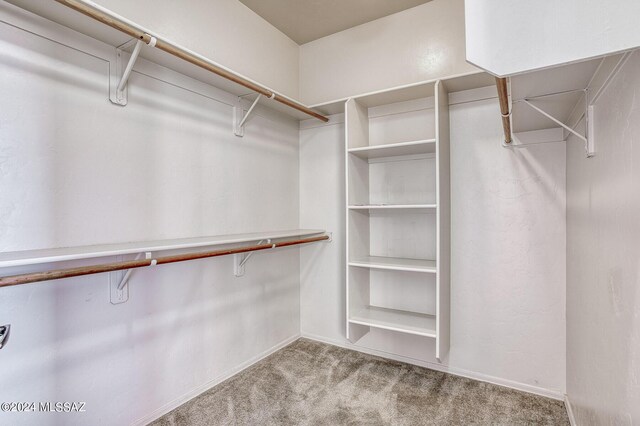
<point x="119" y="282"/>
<point x="589" y="143"/>
<point x="118" y="84"/>
<point x="240" y="259"/>
<point x="239" y="119"/>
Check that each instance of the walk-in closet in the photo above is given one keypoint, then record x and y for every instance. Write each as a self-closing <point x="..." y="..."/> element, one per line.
<point x="294" y="212"/>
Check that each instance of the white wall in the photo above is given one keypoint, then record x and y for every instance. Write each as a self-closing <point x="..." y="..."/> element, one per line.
<point x="603" y="260"/>
<point x="421" y="43"/>
<point x="75" y="170"/>
<point x="507" y="37"/>
<point x="508" y="254"/>
<point x="225" y="31"/>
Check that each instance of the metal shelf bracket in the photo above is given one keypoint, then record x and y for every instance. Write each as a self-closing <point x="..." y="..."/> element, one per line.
<point x="240" y="119"/>
<point x="589" y="143"/>
<point x="119" y="280"/>
<point x="239" y="260"/>
<point x="118" y="93"/>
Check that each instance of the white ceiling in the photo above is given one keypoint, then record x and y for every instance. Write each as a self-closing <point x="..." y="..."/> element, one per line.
<point x="307" y="20"/>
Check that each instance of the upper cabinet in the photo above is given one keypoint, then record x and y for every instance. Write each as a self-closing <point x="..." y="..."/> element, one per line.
<point x="506" y="37"/>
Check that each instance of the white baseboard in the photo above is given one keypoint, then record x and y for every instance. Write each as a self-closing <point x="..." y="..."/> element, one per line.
<point x="446" y="369"/>
<point x="156" y="414"/>
<point x="567" y="404"/>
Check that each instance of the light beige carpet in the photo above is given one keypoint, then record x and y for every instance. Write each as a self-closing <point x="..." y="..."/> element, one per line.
<point x="311" y="383"/>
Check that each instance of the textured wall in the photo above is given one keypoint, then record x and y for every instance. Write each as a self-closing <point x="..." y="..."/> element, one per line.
<point x="76" y="170"/>
<point x="603" y="260"/>
<point x="508" y="253"/>
<point x="421" y="43"/>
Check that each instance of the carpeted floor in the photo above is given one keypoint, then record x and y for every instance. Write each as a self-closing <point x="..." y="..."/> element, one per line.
<point x="311" y="383"/>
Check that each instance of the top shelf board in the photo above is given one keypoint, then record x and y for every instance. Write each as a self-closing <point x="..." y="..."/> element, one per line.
<point x="409" y="92"/>
<point x="32" y="257"/>
<point x="403" y="94"/>
<point x="427" y="146"/>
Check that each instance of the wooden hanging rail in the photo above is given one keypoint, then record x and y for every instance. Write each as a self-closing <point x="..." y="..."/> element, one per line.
<point x="115" y="21"/>
<point x="503" y="97"/>
<point x="132" y="264"/>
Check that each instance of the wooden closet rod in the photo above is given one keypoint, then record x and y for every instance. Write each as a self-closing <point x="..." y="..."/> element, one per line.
<point x="503" y="96"/>
<point x="131" y="264"/>
<point x="109" y="18"/>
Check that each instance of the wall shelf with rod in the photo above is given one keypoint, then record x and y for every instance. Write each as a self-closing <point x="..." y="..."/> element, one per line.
<point x="34" y="257"/>
<point x="182" y="250"/>
<point x="102" y="24"/>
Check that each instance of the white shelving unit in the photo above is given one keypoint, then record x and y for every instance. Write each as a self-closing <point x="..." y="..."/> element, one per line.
<point x="397" y="198"/>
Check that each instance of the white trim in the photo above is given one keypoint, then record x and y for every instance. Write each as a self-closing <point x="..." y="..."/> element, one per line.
<point x="548" y="393"/>
<point x="570" y="414"/>
<point x="171" y="405"/>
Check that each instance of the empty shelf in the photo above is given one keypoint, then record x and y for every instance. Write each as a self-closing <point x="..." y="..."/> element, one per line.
<point x="391" y="319"/>
<point x="393" y="206"/>
<point x="427" y="146"/>
<point x="395" y="264"/>
<point x="31" y="257"/>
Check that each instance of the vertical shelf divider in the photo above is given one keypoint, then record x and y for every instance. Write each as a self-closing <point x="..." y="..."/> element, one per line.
<point x="357" y="192"/>
<point x="443" y="222"/>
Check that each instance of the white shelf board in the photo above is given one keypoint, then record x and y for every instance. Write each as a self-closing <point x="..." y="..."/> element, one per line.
<point x="32" y="257"/>
<point x="397" y="94"/>
<point x="455" y="83"/>
<point x="394" y="207"/>
<point x="426" y="146"/>
<point x="395" y="264"/>
<point x="394" y="320"/>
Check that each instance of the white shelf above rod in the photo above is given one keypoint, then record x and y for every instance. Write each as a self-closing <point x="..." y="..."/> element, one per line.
<point x="118" y="289"/>
<point x="107" y="17"/>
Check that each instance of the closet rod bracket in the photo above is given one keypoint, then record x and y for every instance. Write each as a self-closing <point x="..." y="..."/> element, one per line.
<point x="587" y="138"/>
<point x="239" y="119"/>
<point x="118" y="91"/>
<point x="240" y="259"/>
<point x="119" y="280"/>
